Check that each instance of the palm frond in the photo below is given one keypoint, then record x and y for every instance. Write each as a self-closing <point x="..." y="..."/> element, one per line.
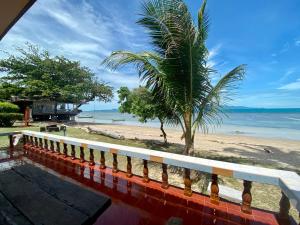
<point x="211" y="109"/>
<point x="203" y="23"/>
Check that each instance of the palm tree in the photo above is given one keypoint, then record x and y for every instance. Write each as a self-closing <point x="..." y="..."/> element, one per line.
<point x="177" y="69"/>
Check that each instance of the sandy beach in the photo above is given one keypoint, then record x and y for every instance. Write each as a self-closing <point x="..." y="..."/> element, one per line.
<point x="281" y="153"/>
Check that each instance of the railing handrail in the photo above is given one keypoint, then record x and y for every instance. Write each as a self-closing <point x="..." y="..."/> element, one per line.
<point x="288" y="181"/>
<point x="9" y="133"/>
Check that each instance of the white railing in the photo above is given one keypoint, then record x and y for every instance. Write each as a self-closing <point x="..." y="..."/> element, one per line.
<point x="10" y="136"/>
<point x="289" y="182"/>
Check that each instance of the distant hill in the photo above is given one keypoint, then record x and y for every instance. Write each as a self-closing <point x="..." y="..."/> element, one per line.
<point x="228" y="107"/>
<point x="104" y="110"/>
<point x="243" y="109"/>
<point x="238" y="109"/>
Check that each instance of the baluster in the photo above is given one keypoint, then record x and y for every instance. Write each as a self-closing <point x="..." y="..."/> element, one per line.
<point x="187" y="182"/>
<point x="24" y="141"/>
<point x="145" y="171"/>
<point x="36" y="142"/>
<point x="65" y="150"/>
<point x="92" y="162"/>
<point x="25" y="144"/>
<point x="31" y="141"/>
<point x="214" y="190"/>
<point x="73" y="152"/>
<point x="31" y="144"/>
<point x="129" y="166"/>
<point x="82" y="154"/>
<point x="247" y="197"/>
<point x="102" y="160"/>
<point x="284" y="207"/>
<point x="115" y="163"/>
<point x="46" y="145"/>
<point x="11" y="141"/>
<point x="58" y="147"/>
<point x="165" y="183"/>
<point x="52" y="146"/>
<point x="41" y="143"/>
<point x="28" y="142"/>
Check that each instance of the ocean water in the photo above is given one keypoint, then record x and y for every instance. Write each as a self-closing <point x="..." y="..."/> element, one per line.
<point x="270" y="123"/>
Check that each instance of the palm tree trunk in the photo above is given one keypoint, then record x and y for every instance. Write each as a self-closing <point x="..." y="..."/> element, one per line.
<point x="163" y="131"/>
<point x="189" y="140"/>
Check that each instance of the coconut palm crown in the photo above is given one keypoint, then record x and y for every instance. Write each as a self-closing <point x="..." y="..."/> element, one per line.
<point x="177" y="70"/>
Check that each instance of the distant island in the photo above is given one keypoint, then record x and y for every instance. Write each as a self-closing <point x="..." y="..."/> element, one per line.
<point x="235" y="109"/>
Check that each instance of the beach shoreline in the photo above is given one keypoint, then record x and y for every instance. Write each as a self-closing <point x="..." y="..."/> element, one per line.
<point x="284" y="125"/>
<point x="283" y="153"/>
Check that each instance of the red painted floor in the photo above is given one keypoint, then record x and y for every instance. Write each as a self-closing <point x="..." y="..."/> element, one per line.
<point x="138" y="203"/>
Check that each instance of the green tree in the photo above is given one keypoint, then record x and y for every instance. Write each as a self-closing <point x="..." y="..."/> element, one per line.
<point x="32" y="73"/>
<point x="141" y="103"/>
<point x="177" y="69"/>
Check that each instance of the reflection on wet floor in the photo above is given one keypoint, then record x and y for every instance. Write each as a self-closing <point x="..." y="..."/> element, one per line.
<point x="135" y="202"/>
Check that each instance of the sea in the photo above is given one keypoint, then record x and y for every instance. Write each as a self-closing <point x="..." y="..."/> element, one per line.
<point x="256" y="122"/>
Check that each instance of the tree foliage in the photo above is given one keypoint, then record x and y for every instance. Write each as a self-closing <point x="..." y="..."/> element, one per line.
<point x="32" y="73"/>
<point x="9" y="113"/>
<point x="141" y="103"/>
<point x="177" y="70"/>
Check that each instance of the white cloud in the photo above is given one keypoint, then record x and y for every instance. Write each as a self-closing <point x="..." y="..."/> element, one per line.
<point x="118" y="79"/>
<point x="285" y="48"/>
<point x="86" y="31"/>
<point x="289" y="72"/>
<point x="212" y="53"/>
<point x="291" y="86"/>
<point x="297" y="43"/>
<point x="271" y="99"/>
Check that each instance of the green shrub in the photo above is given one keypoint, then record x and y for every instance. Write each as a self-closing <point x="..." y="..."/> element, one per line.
<point x="8" y="119"/>
<point x="9" y="114"/>
<point x="7" y="107"/>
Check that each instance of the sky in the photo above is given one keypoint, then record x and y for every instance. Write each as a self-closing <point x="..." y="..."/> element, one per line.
<point x="264" y="35"/>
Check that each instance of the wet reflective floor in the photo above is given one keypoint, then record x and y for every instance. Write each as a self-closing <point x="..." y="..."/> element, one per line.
<point x="135" y="202"/>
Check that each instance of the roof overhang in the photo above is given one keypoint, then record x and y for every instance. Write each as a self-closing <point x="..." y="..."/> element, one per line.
<point x="10" y="12"/>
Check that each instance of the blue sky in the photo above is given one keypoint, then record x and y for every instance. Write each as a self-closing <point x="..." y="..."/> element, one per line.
<point x="265" y="35"/>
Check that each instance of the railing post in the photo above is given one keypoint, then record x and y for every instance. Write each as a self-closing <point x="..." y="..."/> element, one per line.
<point x="11" y="141"/>
<point x="102" y="160"/>
<point x="46" y="144"/>
<point x="73" y="155"/>
<point x="24" y="141"/>
<point x="92" y="162"/>
<point x="145" y="171"/>
<point x="65" y="150"/>
<point x="165" y="183"/>
<point x="129" y="167"/>
<point x="214" y="189"/>
<point x="27" y="139"/>
<point x="52" y="146"/>
<point x="115" y="163"/>
<point x="187" y="182"/>
<point x="82" y="154"/>
<point x="41" y="143"/>
<point x="247" y="197"/>
<point x="36" y="142"/>
<point x="58" y="147"/>
<point x="31" y="141"/>
<point x="284" y="207"/>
